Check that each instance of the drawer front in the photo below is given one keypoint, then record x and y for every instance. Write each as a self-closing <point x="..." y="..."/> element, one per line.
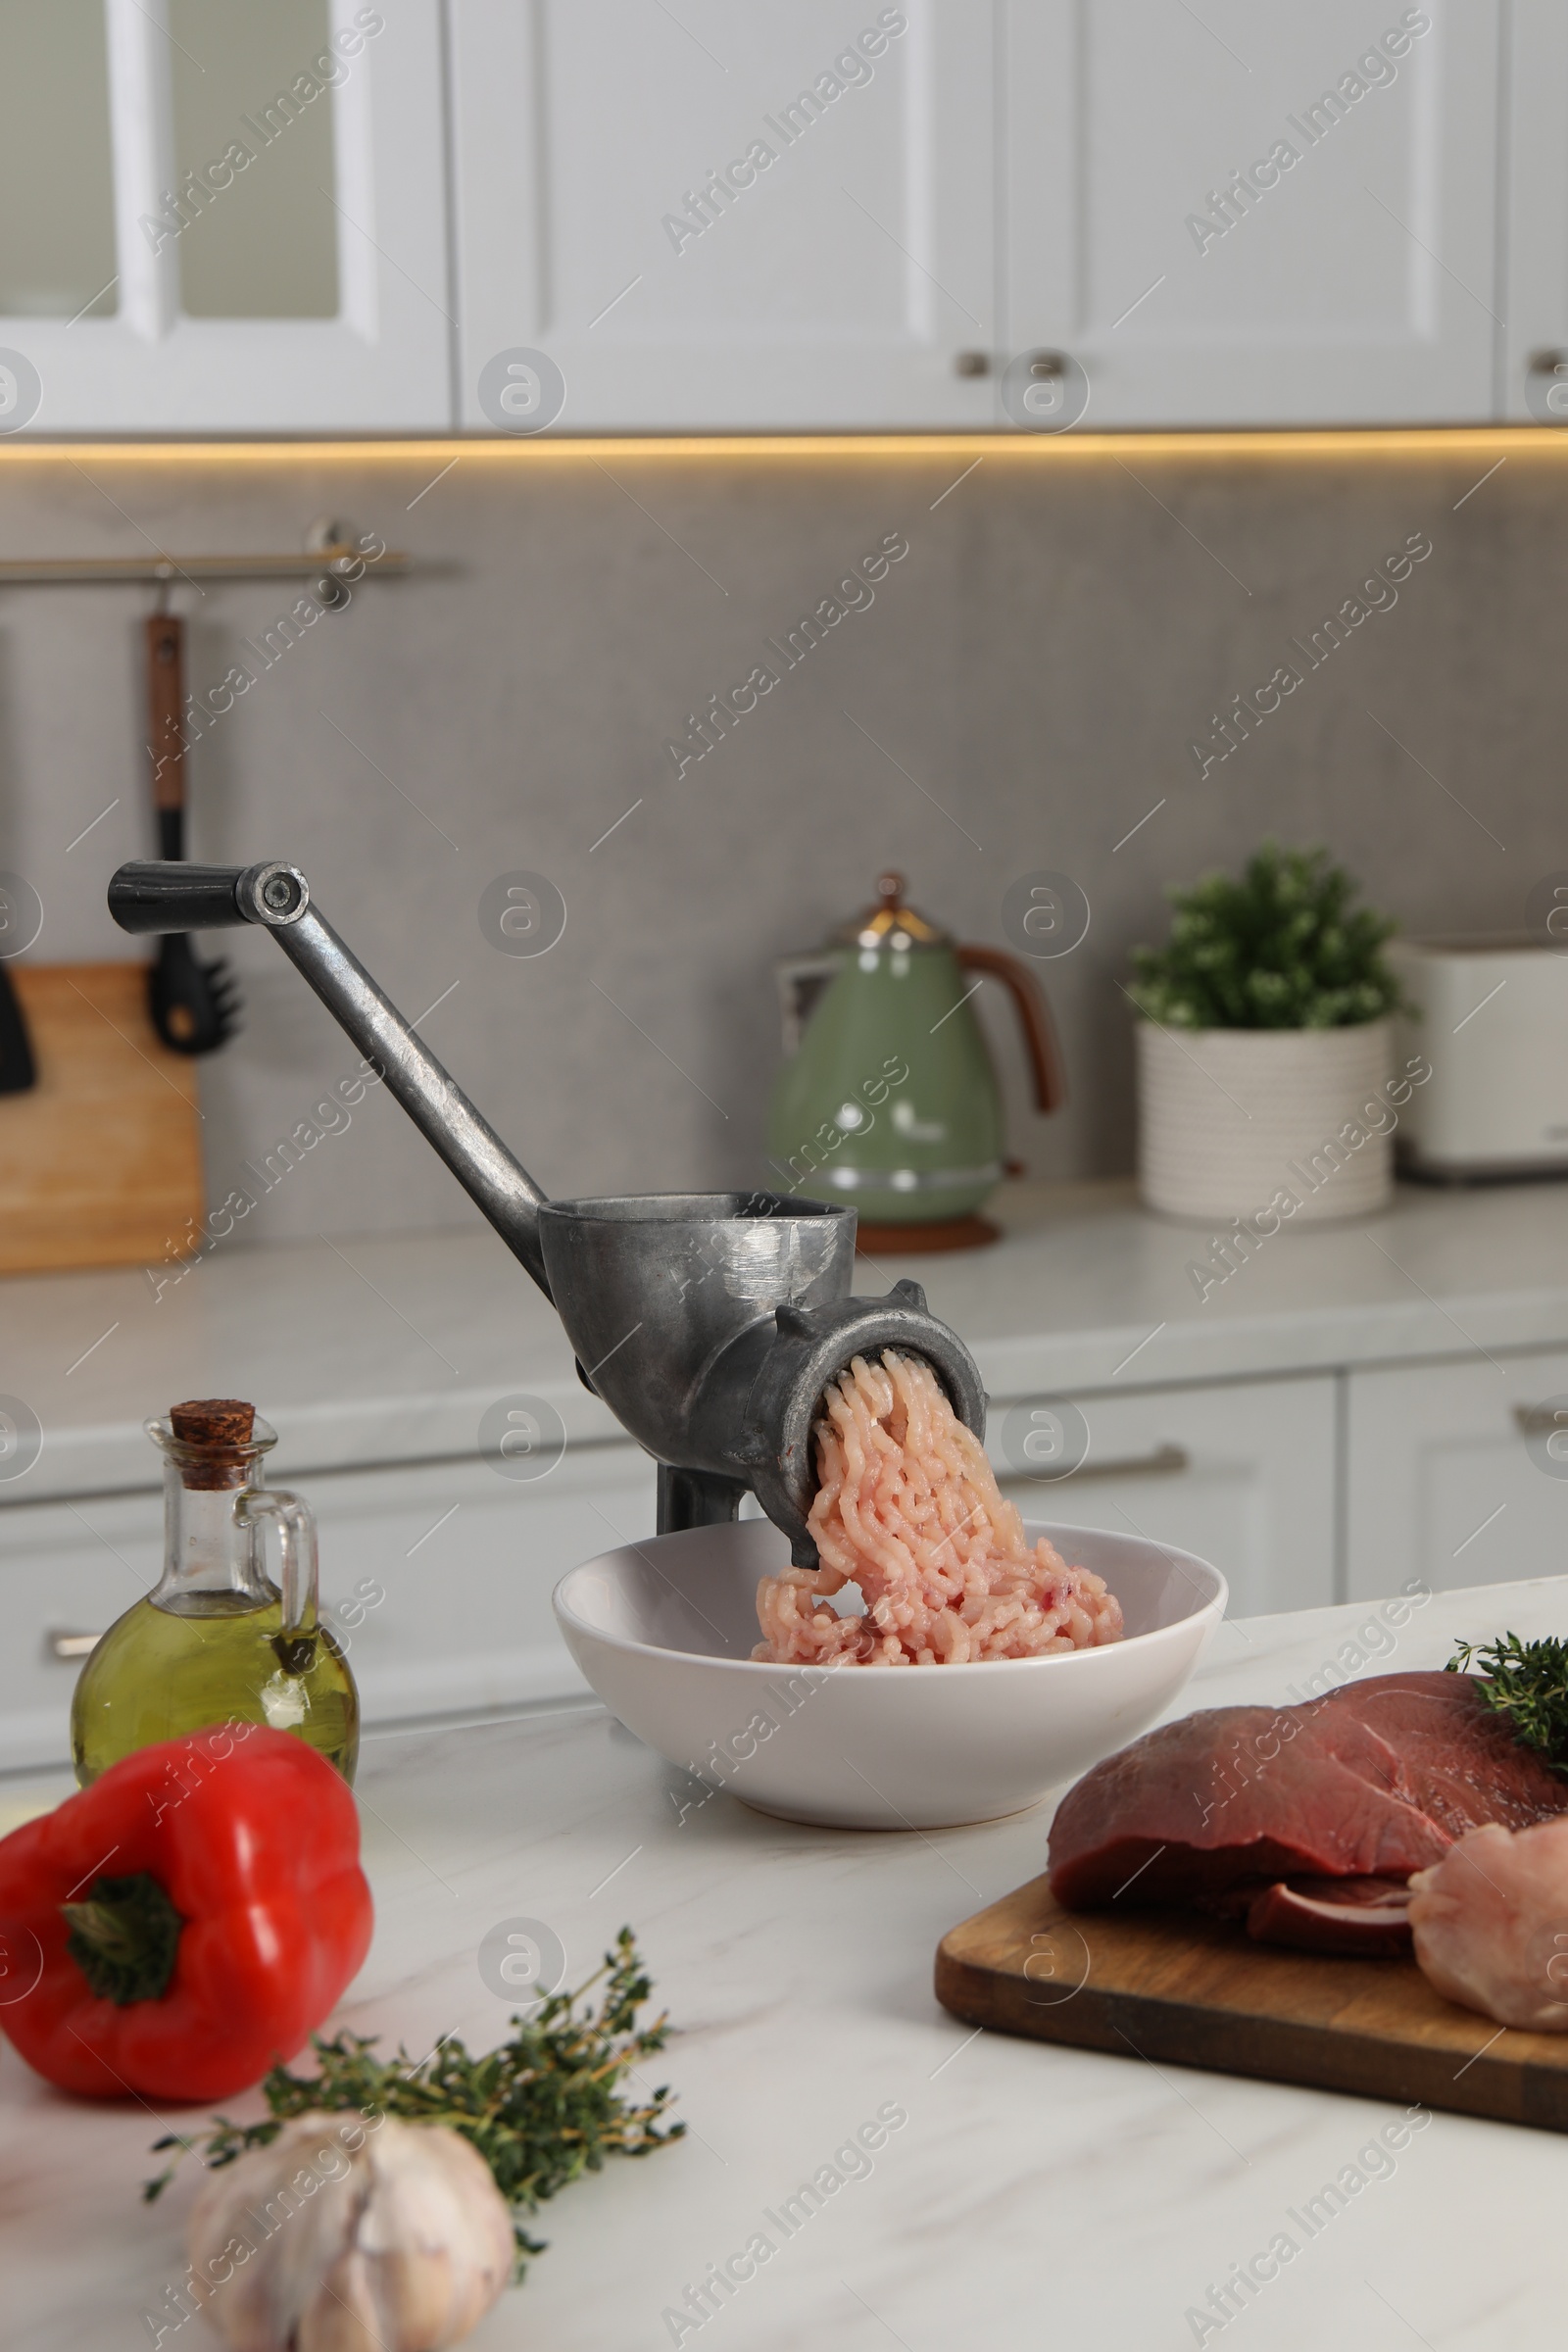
<point x="1242" y="1475"/>
<point x="437" y="1580"/>
<point x="67" y="1569"/>
<point x="1457" y="1473"/>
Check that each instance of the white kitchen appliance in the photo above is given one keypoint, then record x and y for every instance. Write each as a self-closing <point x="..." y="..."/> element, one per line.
<point x="1494" y="1026"/>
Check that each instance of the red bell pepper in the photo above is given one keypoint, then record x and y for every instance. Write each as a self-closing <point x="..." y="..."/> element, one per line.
<point x="186" y="1920"/>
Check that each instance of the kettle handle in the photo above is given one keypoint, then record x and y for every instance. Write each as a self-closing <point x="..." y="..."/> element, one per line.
<point x="1034" y="1015"/>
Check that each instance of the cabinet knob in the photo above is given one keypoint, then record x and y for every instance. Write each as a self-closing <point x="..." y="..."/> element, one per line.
<point x="973" y="363"/>
<point x="1546" y="388"/>
<point x="1044" y="391"/>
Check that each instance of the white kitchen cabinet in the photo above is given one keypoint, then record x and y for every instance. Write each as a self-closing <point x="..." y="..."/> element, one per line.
<point x="438" y="1578"/>
<point x="1536" y="283"/>
<point x="1353" y="284"/>
<point x="1443" y="1479"/>
<point x="467" y="1561"/>
<point x="715" y="218"/>
<point x="1241" y="1473"/>
<point x="265" y="249"/>
<point x="726" y="218"/>
<point x="439" y="1575"/>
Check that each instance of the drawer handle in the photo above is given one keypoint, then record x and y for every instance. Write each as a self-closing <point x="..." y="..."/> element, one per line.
<point x="1541" y="1420"/>
<point x="1164" y="1461"/>
<point x="65" y="1646"/>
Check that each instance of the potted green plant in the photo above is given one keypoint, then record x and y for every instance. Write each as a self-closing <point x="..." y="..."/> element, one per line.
<point x="1265" y="1048"/>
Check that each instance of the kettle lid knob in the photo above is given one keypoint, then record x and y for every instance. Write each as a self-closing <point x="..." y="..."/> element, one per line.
<point x="892" y="920"/>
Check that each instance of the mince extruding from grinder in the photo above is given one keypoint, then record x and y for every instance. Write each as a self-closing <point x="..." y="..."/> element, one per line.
<point x="908" y="1509"/>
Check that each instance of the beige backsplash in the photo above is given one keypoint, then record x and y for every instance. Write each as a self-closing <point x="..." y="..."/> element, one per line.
<point x="1034" y="670"/>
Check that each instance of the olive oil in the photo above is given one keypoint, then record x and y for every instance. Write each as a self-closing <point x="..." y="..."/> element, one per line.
<point x="218" y="1641"/>
<point x="158" y="1674"/>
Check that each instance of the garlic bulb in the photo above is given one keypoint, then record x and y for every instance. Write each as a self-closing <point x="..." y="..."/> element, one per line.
<point x="351" y="2233"/>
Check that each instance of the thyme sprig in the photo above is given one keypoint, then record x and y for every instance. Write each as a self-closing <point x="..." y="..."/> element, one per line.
<point x="542" y="2110"/>
<point x="1528" y="1681"/>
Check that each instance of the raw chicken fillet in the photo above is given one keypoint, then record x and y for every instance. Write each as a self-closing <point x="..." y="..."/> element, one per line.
<point x="1491" y="1925"/>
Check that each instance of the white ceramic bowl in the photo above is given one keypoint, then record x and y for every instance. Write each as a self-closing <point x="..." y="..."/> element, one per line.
<point x="664" y="1630"/>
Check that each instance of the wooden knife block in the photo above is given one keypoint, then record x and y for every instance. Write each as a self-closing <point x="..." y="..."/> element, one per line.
<point x="100" y="1162"/>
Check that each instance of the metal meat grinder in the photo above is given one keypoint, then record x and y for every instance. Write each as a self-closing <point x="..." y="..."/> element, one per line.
<point x="710" y="1323"/>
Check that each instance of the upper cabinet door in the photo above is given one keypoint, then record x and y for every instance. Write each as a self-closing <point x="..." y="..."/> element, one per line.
<point x="1254" y="212"/>
<point x="1537" y="149"/>
<point x="722" y="217"/>
<point x="251" y="234"/>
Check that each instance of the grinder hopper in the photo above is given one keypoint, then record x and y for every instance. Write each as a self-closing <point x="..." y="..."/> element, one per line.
<point x="710" y="1323"/>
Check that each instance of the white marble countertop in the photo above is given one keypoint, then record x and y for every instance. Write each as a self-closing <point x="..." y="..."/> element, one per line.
<point x="389" y="1349"/>
<point x="1035" y="2195"/>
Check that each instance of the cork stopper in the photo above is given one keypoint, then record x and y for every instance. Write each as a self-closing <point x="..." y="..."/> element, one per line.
<point x="215" y="1437"/>
<point x="212" y="1421"/>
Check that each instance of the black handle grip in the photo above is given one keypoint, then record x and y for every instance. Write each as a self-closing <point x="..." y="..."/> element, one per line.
<point x="206" y="898"/>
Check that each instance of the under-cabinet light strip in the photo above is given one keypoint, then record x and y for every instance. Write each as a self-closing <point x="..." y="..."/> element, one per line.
<point x="1039" y="448"/>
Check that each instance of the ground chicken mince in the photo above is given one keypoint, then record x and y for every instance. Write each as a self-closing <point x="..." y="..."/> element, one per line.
<point x="908" y="1509"/>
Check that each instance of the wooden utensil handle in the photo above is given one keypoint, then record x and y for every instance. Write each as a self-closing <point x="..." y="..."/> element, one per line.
<point x="1034" y="1015"/>
<point x="165" y="705"/>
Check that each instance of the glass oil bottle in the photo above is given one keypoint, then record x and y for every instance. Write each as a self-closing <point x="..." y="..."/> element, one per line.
<point x="218" y="1641"/>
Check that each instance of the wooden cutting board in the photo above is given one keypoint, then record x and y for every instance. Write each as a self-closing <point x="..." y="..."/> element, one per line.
<point x="100" y="1162"/>
<point x="1170" y="1987"/>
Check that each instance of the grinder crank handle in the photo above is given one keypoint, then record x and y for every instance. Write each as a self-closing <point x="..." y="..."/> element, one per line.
<point x="149" y="898"/>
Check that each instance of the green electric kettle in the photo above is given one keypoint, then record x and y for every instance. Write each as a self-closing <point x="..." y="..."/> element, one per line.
<point x="888" y="1098"/>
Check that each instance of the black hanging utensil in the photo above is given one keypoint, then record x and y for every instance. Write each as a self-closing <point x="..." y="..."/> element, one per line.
<point x="17" y="1070"/>
<point x="194" y="1005"/>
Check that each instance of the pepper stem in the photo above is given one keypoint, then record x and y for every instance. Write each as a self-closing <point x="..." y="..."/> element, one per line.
<point x="123" y="1938"/>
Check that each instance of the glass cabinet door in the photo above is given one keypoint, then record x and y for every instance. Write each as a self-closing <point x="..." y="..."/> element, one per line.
<point x="253" y="126"/>
<point x="56" y="227"/>
<point x="251" y="232"/>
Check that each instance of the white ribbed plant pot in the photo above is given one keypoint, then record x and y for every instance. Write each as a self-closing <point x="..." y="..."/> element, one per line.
<point x="1229" y="1118"/>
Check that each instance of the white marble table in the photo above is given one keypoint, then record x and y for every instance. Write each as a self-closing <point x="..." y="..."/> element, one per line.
<point x="1035" y="2197"/>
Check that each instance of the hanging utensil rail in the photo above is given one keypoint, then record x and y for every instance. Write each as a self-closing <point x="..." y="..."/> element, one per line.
<point x="47" y="571"/>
